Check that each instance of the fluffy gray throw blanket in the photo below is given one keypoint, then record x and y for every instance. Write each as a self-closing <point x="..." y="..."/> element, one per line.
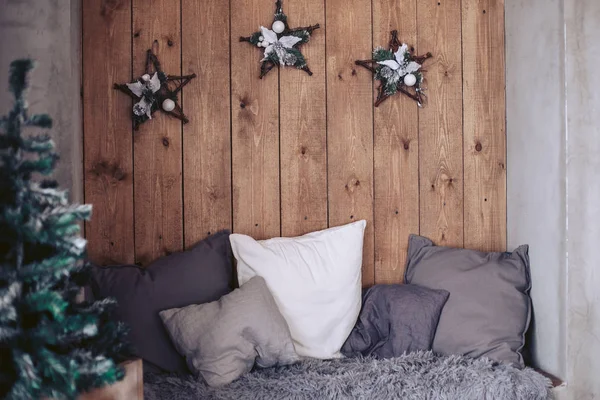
<point x="418" y="376"/>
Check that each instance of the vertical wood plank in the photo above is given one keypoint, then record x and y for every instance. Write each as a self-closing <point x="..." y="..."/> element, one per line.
<point x="108" y="165"/>
<point x="255" y="127"/>
<point x="396" y="152"/>
<point x="303" y="129"/>
<point x="350" y="120"/>
<point x="157" y="143"/>
<point x="440" y="123"/>
<point x="484" y="124"/>
<point x="207" y="137"/>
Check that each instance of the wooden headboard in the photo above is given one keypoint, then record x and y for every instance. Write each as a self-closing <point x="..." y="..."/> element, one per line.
<point x="293" y="153"/>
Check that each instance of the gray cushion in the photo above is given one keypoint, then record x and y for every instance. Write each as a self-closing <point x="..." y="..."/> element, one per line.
<point x="488" y="311"/>
<point x="199" y="275"/>
<point x="223" y="339"/>
<point x="395" y="319"/>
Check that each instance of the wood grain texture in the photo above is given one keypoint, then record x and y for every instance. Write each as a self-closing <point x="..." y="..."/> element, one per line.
<point x="108" y="165"/>
<point x="303" y="128"/>
<point x="207" y="137"/>
<point x="350" y="120"/>
<point x="396" y="152"/>
<point x="293" y="153"/>
<point x="484" y="124"/>
<point x="440" y="123"/>
<point x="255" y="127"/>
<point x="157" y="144"/>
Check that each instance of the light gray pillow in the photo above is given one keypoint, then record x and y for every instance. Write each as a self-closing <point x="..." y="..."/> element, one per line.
<point x="488" y="311"/>
<point x="222" y="340"/>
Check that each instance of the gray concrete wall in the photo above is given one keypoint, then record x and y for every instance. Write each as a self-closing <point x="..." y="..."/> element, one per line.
<point x="582" y="73"/>
<point x="536" y="198"/>
<point x="553" y="136"/>
<point x="48" y="31"/>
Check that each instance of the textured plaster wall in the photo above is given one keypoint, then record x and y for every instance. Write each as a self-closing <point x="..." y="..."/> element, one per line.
<point x="553" y="132"/>
<point x="49" y="32"/>
<point x="536" y="164"/>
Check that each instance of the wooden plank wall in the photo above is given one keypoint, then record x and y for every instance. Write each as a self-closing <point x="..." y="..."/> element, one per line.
<point x="293" y="153"/>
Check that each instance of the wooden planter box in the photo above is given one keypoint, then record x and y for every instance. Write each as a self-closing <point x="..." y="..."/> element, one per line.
<point x="130" y="388"/>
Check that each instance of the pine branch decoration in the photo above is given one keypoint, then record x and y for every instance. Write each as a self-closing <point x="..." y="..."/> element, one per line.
<point x="51" y="346"/>
<point x="281" y="43"/>
<point x="397" y="70"/>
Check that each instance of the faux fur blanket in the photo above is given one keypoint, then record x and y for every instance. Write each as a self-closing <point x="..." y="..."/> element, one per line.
<point x="418" y="376"/>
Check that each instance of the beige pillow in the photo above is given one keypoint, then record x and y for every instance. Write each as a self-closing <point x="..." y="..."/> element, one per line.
<point x="222" y="340"/>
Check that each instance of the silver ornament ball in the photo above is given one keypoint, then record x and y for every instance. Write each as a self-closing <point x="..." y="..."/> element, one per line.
<point x="168" y="105"/>
<point x="410" y="80"/>
<point x="278" y="26"/>
<point x="145" y="77"/>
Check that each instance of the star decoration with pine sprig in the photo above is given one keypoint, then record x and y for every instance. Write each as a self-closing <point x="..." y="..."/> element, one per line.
<point x="398" y="70"/>
<point x="154" y="91"/>
<point x="281" y="43"/>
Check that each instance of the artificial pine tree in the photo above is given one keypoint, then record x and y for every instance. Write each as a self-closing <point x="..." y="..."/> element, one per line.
<point x="51" y="345"/>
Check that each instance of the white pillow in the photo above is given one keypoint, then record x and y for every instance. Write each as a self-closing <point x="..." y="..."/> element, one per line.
<point x="315" y="280"/>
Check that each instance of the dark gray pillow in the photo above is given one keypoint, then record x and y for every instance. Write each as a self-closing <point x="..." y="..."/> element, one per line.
<point x="223" y="339"/>
<point x="488" y="311"/>
<point x="199" y="275"/>
<point x="395" y="319"/>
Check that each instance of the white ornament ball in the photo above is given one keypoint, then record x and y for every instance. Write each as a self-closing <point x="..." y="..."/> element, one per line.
<point x="410" y="80"/>
<point x="145" y="77"/>
<point x="261" y="38"/>
<point x="278" y="26"/>
<point x="265" y="44"/>
<point x="168" y="105"/>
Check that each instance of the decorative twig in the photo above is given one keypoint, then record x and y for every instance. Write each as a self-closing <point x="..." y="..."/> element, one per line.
<point x="367" y="64"/>
<point x="309" y="29"/>
<point x="155" y="99"/>
<point x="389" y="69"/>
<point x="265" y="67"/>
<point x="285" y="52"/>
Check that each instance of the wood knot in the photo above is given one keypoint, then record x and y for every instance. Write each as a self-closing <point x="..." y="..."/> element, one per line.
<point x="255" y="224"/>
<point x="165" y="142"/>
<point x="137" y="34"/>
<point x="118" y="174"/>
<point x="305" y="218"/>
<point x="208" y="233"/>
<point x="396" y="212"/>
<point x="353" y="72"/>
<point x="478" y="146"/>
<point x="352" y="217"/>
<point x="170" y="43"/>
<point x="303" y="150"/>
<point x="340" y="77"/>
<point x="242" y="105"/>
<point x="406" y="144"/>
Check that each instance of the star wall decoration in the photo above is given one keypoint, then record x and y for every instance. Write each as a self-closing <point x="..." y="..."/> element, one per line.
<point x="153" y="91"/>
<point x="281" y="43"/>
<point x="397" y="70"/>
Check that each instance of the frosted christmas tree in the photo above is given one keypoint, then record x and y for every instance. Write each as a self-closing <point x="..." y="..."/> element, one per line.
<point x="51" y="346"/>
